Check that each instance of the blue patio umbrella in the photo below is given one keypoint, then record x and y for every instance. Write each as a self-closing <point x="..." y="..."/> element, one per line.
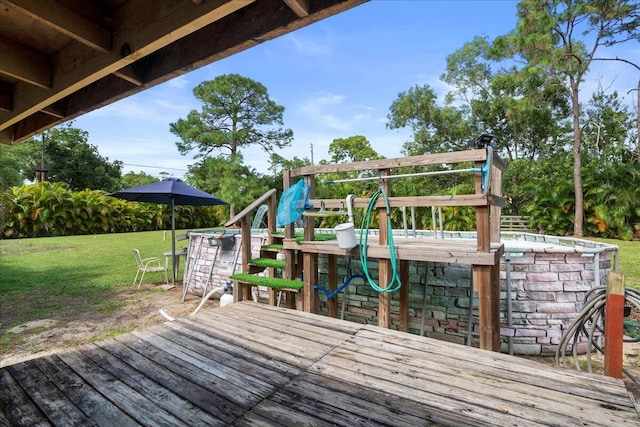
<point x="170" y="191"/>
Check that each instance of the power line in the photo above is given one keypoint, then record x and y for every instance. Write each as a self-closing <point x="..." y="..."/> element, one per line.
<point x="153" y="167"/>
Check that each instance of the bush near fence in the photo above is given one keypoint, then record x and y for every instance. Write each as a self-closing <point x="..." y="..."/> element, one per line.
<point x="51" y="209"/>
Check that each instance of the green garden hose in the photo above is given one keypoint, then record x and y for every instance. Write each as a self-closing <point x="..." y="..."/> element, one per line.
<point x="394" y="284"/>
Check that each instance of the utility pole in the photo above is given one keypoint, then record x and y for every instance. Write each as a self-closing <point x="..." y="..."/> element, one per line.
<point x="41" y="173"/>
<point x="638" y="123"/>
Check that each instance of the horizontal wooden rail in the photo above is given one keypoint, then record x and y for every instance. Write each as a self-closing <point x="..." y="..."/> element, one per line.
<point x="417" y="201"/>
<point x="419" y="251"/>
<point x="402" y="162"/>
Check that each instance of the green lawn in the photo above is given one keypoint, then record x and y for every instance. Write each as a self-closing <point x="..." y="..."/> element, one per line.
<point x="51" y="277"/>
<point x="629" y="262"/>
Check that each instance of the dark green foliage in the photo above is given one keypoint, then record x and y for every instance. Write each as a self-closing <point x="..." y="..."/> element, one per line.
<point x="51" y="209"/>
<point x="135" y="179"/>
<point x="612" y="206"/>
<point x="236" y="112"/>
<point x="70" y="159"/>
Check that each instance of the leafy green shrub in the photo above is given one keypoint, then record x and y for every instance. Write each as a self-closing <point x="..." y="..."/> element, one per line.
<point x="51" y="209"/>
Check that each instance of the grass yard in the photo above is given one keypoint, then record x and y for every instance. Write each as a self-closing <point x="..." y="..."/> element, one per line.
<point x="78" y="289"/>
<point x="56" y="275"/>
<point x="629" y="262"/>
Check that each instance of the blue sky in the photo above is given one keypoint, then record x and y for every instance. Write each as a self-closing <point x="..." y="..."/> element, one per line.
<point x="336" y="78"/>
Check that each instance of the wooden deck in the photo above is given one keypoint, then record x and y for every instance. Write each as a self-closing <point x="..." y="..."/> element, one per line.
<point x="252" y="364"/>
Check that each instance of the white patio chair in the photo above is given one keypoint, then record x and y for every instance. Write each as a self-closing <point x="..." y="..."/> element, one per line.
<point x="149" y="265"/>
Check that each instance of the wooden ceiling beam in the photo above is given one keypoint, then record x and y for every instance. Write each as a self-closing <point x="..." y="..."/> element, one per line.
<point x="54" y="111"/>
<point x="129" y="74"/>
<point x="299" y="7"/>
<point x="138" y="32"/>
<point x="6" y="97"/>
<point x="24" y="64"/>
<point x="66" y="21"/>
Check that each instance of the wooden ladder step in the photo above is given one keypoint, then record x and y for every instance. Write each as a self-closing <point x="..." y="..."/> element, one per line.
<point x="268" y="282"/>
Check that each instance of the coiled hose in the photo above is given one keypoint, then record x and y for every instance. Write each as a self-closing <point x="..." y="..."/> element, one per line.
<point x="590" y="323"/>
<point x="394" y="284"/>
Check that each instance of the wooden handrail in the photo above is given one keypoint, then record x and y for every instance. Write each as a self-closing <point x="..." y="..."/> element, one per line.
<point x="412" y="161"/>
<point x="246" y="211"/>
<point x="417" y="201"/>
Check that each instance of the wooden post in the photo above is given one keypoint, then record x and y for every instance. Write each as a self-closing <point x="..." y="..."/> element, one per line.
<point x="496" y="211"/>
<point x="245" y="238"/>
<point x="384" y="265"/>
<point x="403" y="273"/>
<point x="310" y="260"/>
<point x="332" y="282"/>
<point x="613" y="325"/>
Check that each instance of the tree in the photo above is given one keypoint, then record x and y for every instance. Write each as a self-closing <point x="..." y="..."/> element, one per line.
<point x="70" y="159"/>
<point x="435" y="129"/>
<point x="236" y="112"/>
<point x="352" y="149"/>
<point x="133" y="179"/>
<point x="278" y="164"/>
<point x="560" y="40"/>
<point x="17" y="163"/>
<point x="228" y="179"/>
<point x="525" y="115"/>
<point x="606" y="130"/>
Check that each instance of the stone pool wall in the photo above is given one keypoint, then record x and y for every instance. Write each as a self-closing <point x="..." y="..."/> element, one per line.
<point x="548" y="278"/>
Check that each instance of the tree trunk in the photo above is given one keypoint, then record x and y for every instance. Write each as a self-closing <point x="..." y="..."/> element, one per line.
<point x="577" y="163"/>
<point x="638" y="127"/>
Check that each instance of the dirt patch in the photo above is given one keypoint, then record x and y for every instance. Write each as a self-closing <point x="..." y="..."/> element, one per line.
<point x="135" y="310"/>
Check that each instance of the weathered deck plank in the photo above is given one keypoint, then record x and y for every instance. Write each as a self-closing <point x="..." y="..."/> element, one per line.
<point x="460" y="386"/>
<point x="46" y="396"/>
<point x="15" y="405"/>
<point x="166" y="399"/>
<point x="88" y="400"/>
<point x="500" y="365"/>
<point x="256" y="365"/>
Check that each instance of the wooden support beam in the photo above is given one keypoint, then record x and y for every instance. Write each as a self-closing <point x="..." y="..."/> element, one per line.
<point x="245" y="252"/>
<point x="129" y="75"/>
<point x="614" y="325"/>
<point x="384" y="265"/>
<point x="411" y="161"/>
<point x="403" y="273"/>
<point x="53" y="111"/>
<point x="310" y="260"/>
<point x="25" y="64"/>
<point x="66" y="21"/>
<point x="299" y="7"/>
<point x="6" y="97"/>
<point x="488" y="306"/>
<point x="332" y="285"/>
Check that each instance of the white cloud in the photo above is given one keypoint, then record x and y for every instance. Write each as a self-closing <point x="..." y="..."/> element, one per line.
<point x="332" y="111"/>
<point x="319" y="45"/>
<point x="179" y="82"/>
<point x="129" y="107"/>
<point x="316" y="110"/>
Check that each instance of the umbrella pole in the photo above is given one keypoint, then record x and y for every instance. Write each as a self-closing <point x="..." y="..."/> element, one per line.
<point x="173" y="243"/>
